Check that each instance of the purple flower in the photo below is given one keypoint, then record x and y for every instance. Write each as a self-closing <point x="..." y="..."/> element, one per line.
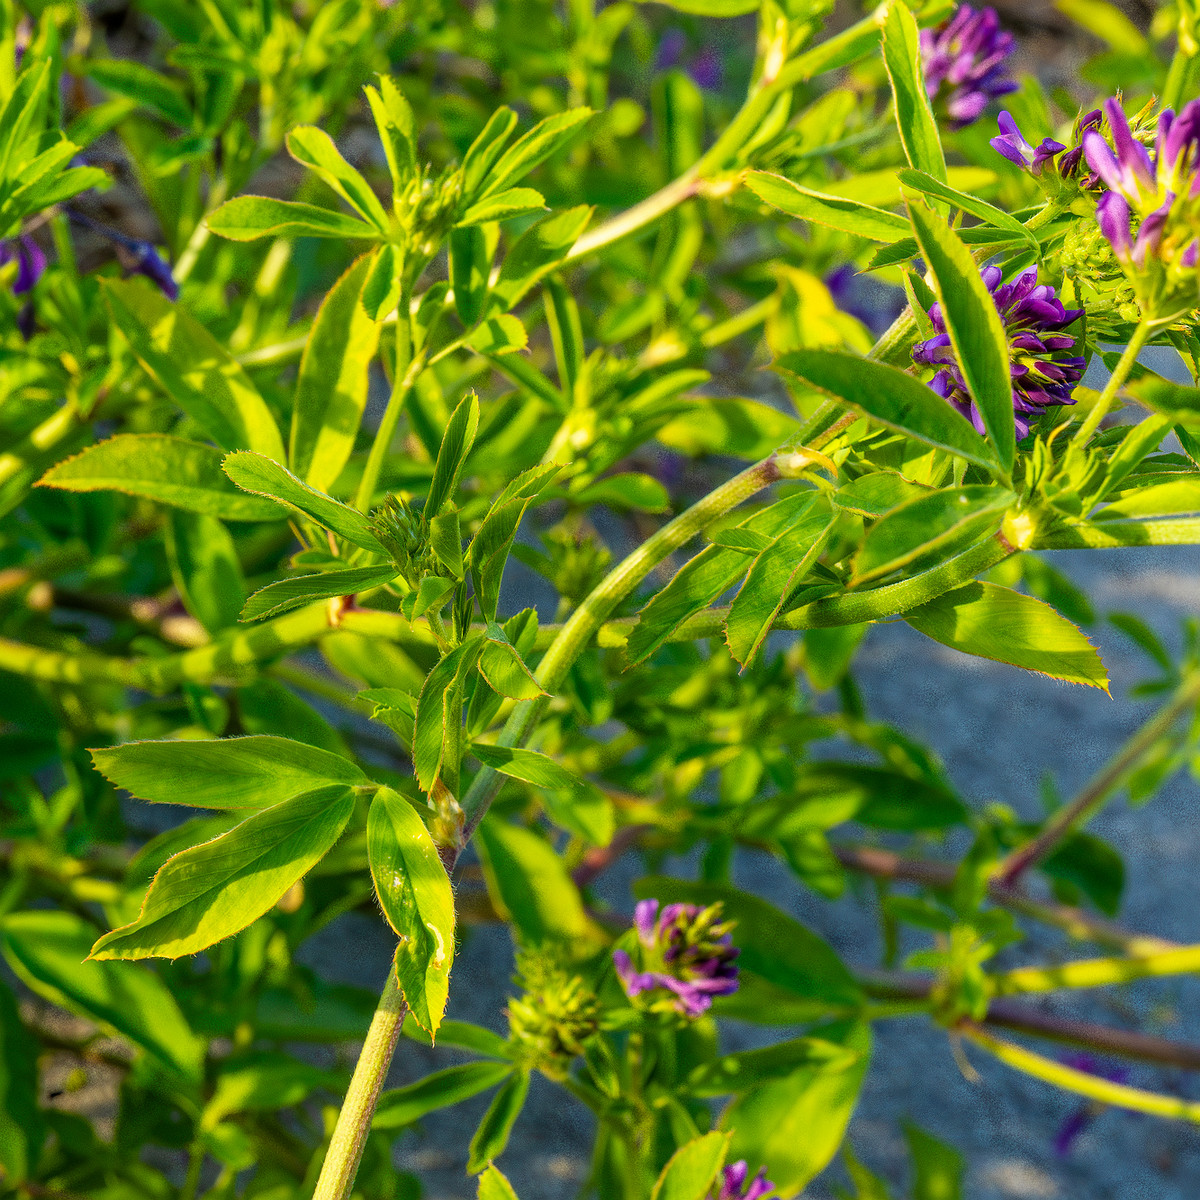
<point x="31" y="262"/>
<point x="965" y="57"/>
<point x="876" y="305"/>
<point x="706" y="68"/>
<point x="734" y="1186"/>
<point x="141" y="258"/>
<point x="1033" y="317"/>
<point x="685" y="955"/>
<point x="1077" y="1123"/>
<point x="1015" y="148"/>
<point x="1155" y="187"/>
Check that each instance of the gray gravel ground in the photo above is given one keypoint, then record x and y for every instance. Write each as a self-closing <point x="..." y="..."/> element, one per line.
<point x="998" y="730"/>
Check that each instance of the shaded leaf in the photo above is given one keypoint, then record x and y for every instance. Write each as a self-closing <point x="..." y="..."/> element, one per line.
<point x="331" y="389"/>
<point x="192" y="367"/>
<point x="245" y="218"/>
<point x="494" y="1130"/>
<point x="405" y="1105"/>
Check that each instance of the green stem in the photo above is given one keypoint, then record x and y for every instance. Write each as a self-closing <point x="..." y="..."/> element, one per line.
<point x="406" y="371"/>
<point x="1081" y="1082"/>
<point x="1104" y="535"/>
<point x="575" y="634"/>
<point x="1115" y="381"/>
<point x="1098" y="790"/>
<point x="336" y="1181"/>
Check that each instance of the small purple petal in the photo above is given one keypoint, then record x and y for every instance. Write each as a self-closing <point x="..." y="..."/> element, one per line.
<point x="1112" y="215"/>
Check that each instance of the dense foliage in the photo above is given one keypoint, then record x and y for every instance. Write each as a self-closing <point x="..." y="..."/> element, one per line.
<point x="332" y="333"/>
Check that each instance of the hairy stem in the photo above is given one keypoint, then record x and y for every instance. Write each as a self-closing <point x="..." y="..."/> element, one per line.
<point x="1098" y="790"/>
<point x="336" y="1181"/>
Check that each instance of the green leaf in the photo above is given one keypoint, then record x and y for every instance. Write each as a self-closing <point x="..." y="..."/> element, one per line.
<point x="139" y="82"/>
<point x="463" y="1036"/>
<point x="452" y="454"/>
<point x="572" y="802"/>
<point x="706" y="576"/>
<point x="438" y="709"/>
<point x="403" y="1106"/>
<point x="528" y="882"/>
<point x="931" y="523"/>
<point x="263" y="477"/>
<point x="711" y="8"/>
<point x="470" y="265"/>
<point x="397" y="130"/>
<point x="914" y="114"/>
<point x="1176" y="400"/>
<point x="169" y="470"/>
<point x="445" y="540"/>
<point x="315" y="149"/>
<point x="285" y="594"/>
<point x="499" y="207"/>
<point x="490" y="546"/>
<point x="745" y="1069"/>
<point x="543" y="140"/>
<point x="414" y="892"/>
<point x="891" y="397"/>
<point x="381" y="290"/>
<point x="498" y="335"/>
<point x="205" y="568"/>
<point x="939" y="1169"/>
<point x="504" y="669"/>
<point x="628" y="490"/>
<point x="494" y="1186"/>
<point x="22" y="1129"/>
<point x="224" y="773"/>
<point x="993" y="622"/>
<point x="997" y="217"/>
<point x="47" y="948"/>
<point x="875" y="494"/>
<point x="973" y="323"/>
<point x="1158" y="500"/>
<point x="772" y="945"/>
<point x="493" y="1133"/>
<point x="331" y="389"/>
<point x="819" y="208"/>
<point x="246" y="218"/>
<point x="536" y="253"/>
<point x="690" y="1171"/>
<point x="794" y="1126"/>
<point x="216" y="889"/>
<point x="773" y="577"/>
<point x="728" y="425"/>
<point x="272" y="1083"/>
<point x="483" y="152"/>
<point x="192" y="367"/>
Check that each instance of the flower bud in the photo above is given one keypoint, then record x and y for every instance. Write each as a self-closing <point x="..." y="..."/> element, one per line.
<point x="685" y="957"/>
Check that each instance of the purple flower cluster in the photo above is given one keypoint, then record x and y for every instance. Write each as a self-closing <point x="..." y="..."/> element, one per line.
<point x="734" y="1184"/>
<point x="1152" y="186"/>
<point x="966" y="57"/>
<point x="686" y="953"/>
<point x="1013" y="145"/>
<point x="1033" y="317"/>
